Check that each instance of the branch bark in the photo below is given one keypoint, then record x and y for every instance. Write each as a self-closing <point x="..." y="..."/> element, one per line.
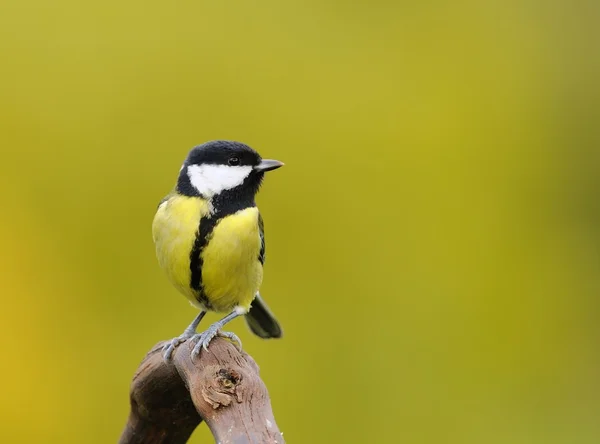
<point x="221" y="387"/>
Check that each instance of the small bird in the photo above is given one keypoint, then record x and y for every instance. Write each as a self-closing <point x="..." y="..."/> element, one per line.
<point x="210" y="240"/>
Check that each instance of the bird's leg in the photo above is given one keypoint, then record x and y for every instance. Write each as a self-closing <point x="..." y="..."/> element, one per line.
<point x="203" y="339"/>
<point x="188" y="333"/>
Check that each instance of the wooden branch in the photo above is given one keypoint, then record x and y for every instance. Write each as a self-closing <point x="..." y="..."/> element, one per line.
<point x="221" y="387"/>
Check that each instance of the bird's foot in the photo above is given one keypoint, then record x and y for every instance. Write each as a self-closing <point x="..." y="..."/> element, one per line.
<point x="203" y="339"/>
<point x="169" y="348"/>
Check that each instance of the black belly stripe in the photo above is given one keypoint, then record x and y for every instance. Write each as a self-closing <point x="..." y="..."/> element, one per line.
<point x="224" y="204"/>
<point x="205" y="229"/>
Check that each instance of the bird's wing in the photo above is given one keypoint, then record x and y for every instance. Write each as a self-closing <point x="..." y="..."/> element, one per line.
<point x="163" y="200"/>
<point x="261" y="231"/>
<point x="166" y="198"/>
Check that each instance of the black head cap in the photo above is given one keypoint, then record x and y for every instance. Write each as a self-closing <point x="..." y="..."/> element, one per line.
<point x="223" y="152"/>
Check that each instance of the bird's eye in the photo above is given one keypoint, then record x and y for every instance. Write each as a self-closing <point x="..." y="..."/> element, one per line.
<point x="233" y="161"/>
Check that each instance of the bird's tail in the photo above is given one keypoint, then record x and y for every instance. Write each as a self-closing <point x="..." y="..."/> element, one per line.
<point x="261" y="321"/>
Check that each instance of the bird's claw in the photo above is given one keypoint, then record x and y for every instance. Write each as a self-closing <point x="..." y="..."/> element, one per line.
<point x="233" y="338"/>
<point x="169" y="348"/>
<point x="203" y="339"/>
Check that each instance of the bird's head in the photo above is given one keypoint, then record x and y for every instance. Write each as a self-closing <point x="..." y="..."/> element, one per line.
<point x="222" y="166"/>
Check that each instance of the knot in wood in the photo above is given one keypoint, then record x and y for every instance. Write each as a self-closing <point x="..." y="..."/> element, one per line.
<point x="228" y="378"/>
<point x="222" y="386"/>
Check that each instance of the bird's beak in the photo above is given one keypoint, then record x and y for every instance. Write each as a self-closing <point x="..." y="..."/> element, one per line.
<point x="268" y="165"/>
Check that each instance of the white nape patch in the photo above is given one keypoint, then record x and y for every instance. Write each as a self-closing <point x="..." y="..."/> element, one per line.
<point x="212" y="179"/>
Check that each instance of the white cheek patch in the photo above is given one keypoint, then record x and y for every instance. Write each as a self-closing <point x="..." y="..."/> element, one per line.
<point x="209" y="180"/>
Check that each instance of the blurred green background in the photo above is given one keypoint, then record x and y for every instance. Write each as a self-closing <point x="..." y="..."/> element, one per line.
<point x="433" y="241"/>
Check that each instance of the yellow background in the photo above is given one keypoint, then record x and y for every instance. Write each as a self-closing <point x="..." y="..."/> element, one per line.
<point x="433" y="240"/>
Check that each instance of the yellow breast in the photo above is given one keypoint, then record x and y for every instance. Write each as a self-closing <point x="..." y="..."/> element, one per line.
<point x="231" y="272"/>
<point x="174" y="231"/>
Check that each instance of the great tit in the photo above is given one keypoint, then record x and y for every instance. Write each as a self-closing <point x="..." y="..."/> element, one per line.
<point x="210" y="240"/>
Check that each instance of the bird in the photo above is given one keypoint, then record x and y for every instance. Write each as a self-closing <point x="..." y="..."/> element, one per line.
<point x="210" y="241"/>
